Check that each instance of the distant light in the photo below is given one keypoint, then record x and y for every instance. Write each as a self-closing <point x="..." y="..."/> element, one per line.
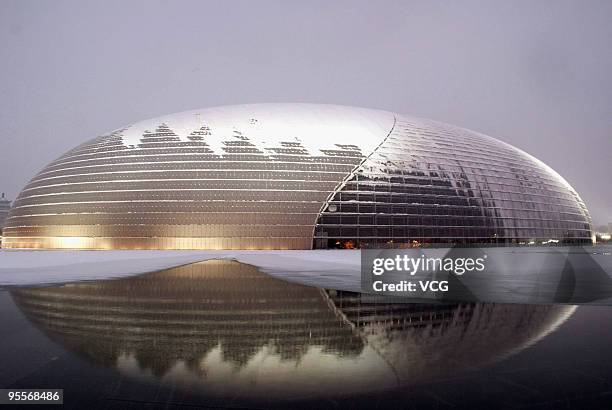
<point x="605" y="236"/>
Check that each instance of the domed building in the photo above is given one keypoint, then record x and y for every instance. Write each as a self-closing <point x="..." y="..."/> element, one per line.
<point x="293" y="176"/>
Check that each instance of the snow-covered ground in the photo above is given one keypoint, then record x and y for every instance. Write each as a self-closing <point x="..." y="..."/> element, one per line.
<point x="513" y="275"/>
<point x="337" y="269"/>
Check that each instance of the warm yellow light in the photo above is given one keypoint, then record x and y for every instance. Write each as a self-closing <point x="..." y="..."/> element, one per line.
<point x="72" y="242"/>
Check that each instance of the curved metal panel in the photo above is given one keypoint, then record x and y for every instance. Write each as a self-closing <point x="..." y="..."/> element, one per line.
<point x="236" y="177"/>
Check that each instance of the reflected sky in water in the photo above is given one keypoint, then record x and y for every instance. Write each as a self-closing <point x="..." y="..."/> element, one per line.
<point x="223" y="329"/>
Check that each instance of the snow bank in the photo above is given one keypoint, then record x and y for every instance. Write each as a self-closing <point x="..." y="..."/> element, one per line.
<point x="338" y="269"/>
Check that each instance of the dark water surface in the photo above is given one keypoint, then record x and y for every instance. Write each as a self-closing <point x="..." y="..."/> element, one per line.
<point x="221" y="334"/>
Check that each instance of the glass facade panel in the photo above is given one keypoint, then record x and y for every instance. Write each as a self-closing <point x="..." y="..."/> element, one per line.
<point x="427" y="179"/>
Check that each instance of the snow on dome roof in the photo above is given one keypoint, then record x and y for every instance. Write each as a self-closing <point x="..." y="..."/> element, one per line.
<point x="316" y="126"/>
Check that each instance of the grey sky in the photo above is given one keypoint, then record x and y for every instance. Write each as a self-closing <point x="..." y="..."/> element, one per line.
<point x="534" y="74"/>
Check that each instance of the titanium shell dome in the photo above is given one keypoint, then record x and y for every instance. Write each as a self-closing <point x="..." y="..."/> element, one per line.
<point x="293" y="176"/>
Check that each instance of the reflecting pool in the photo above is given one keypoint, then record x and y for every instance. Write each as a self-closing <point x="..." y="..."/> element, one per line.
<point x="220" y="333"/>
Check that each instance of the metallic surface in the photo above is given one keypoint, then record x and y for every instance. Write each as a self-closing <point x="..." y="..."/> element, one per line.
<point x="266" y="176"/>
<point x="435" y="183"/>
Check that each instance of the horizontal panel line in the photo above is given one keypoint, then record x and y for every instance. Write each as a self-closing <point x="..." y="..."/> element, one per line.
<point x="178" y="180"/>
<point x="316" y="159"/>
<point x="169" y="212"/>
<point x="271" y="171"/>
<point x="158" y="237"/>
<point x="207" y="161"/>
<point x="172" y="190"/>
<point x="168" y="200"/>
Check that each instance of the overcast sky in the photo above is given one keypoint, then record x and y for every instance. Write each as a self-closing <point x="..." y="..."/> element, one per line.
<point x="534" y="74"/>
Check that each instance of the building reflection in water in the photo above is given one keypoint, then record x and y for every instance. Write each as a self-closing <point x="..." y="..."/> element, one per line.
<point x="221" y="327"/>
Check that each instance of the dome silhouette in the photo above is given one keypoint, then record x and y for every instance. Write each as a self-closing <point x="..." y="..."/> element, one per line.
<point x="293" y="176"/>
